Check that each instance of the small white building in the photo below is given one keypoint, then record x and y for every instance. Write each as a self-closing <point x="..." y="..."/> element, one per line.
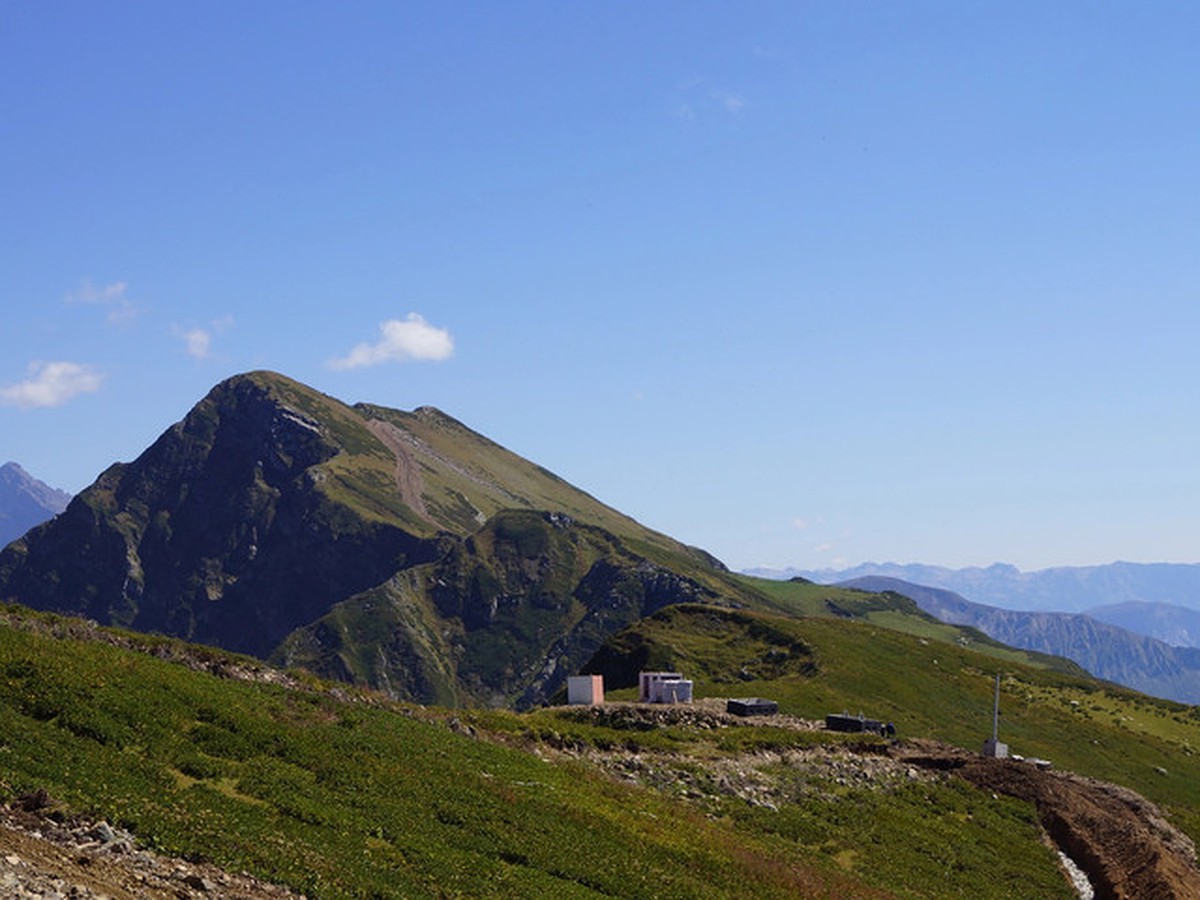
<point x="585" y="690"/>
<point x="664" y="687"/>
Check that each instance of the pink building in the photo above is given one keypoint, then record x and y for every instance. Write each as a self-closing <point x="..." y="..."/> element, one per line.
<point x="585" y="690"/>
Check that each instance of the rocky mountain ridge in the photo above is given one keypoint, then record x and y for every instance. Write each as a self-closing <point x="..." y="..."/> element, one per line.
<point x="400" y="550"/>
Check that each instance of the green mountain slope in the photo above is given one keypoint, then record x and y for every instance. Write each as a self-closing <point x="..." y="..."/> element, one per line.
<point x="341" y="796"/>
<point x="928" y="686"/>
<point x="340" y="793"/>
<point x="395" y="549"/>
<point x="894" y="611"/>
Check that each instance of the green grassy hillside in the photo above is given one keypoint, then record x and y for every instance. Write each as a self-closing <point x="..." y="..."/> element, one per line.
<point x="890" y="610"/>
<point x="929" y="686"/>
<point x="348" y="799"/>
<point x="338" y="793"/>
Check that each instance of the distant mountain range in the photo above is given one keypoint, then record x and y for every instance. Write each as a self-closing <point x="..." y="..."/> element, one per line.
<point x="25" y="502"/>
<point x="1175" y="625"/>
<point x="1107" y="651"/>
<point x="1159" y="600"/>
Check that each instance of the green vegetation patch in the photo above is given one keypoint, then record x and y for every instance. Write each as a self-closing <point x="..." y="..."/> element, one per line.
<point x="936" y="688"/>
<point x="343" y="799"/>
<point x="826" y="796"/>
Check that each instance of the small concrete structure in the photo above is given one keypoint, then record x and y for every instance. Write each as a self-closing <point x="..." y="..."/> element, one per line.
<point x="585" y="690"/>
<point x="854" y="724"/>
<point x="751" y="706"/>
<point x="664" y="687"/>
<point x="995" y="749"/>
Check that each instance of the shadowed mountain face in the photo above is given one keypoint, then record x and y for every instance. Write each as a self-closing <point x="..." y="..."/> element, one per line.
<point x="1108" y="652"/>
<point x="25" y="502"/>
<point x="392" y="548"/>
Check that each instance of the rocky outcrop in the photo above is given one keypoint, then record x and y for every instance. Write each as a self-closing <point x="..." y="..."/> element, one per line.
<point x="45" y="853"/>
<point x="511" y="617"/>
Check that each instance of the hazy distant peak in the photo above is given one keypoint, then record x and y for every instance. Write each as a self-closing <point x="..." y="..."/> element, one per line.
<point x="16" y="479"/>
<point x="25" y="502"/>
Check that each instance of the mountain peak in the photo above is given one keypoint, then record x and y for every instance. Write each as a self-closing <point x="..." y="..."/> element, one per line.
<point x="25" y="502"/>
<point x="400" y="549"/>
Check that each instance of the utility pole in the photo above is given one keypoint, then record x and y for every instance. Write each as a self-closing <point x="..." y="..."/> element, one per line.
<point x="993" y="747"/>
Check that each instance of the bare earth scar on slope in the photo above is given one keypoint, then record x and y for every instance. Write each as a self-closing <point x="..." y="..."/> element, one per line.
<point x="1119" y="838"/>
<point x="407" y="472"/>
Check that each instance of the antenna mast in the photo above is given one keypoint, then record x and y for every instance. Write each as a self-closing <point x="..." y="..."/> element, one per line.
<point x="996" y="713"/>
<point x="993" y="747"/>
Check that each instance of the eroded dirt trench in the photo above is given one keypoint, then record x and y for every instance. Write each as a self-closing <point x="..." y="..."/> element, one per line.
<point x="1121" y="840"/>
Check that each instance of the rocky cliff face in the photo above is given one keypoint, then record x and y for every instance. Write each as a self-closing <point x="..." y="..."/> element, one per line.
<point x="216" y="533"/>
<point x="395" y="549"/>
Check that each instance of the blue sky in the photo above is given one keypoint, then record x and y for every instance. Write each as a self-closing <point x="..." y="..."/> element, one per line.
<point x="804" y="284"/>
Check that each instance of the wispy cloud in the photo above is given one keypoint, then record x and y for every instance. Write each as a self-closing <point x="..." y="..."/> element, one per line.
<point x="401" y="340"/>
<point x="51" y="384"/>
<point x="732" y="103"/>
<point x="198" y="341"/>
<point x="111" y="296"/>
<point x="696" y="98"/>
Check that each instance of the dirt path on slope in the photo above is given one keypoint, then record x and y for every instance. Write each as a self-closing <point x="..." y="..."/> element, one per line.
<point x="407" y="472"/>
<point x="1118" y="838"/>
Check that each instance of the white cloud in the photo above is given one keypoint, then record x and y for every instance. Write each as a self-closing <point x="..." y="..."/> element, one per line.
<point x="112" y="296"/>
<point x="401" y="340"/>
<point x="198" y="341"/>
<point x="51" y="384"/>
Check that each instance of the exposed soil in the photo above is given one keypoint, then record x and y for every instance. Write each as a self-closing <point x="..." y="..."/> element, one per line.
<point x="1118" y="838"/>
<point x="408" y="472"/>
